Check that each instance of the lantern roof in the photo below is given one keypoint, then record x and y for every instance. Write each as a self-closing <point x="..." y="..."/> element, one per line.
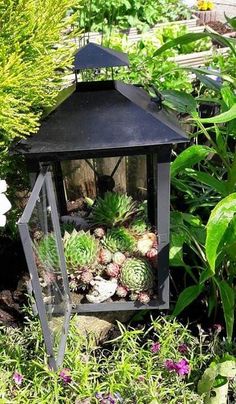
<point x="94" y="56"/>
<point x="103" y="118"/>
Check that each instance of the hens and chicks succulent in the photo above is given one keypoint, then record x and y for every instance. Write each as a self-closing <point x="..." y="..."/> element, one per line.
<point x="120" y="247"/>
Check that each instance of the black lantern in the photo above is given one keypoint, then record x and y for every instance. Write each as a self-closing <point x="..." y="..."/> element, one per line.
<point x="98" y="120"/>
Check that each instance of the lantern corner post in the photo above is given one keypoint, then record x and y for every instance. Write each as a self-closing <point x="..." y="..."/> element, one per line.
<point x="163" y="221"/>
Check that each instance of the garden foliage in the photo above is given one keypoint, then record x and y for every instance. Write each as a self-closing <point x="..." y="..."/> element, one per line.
<point x="35" y="51"/>
<point x="159" y="363"/>
<point x="205" y="174"/>
<point x="99" y="15"/>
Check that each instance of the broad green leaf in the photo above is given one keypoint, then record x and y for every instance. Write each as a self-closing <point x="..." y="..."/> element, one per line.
<point x="194" y="36"/>
<point x="209" y="82"/>
<point x="207" y="179"/>
<point x="179" y="101"/>
<point x="222" y="118"/>
<point x="187" y="297"/>
<point x="227" y="295"/>
<point x="217" y="225"/>
<point x="207" y="380"/>
<point x="228" y="96"/>
<point x="176" y="248"/>
<point x="227" y="368"/>
<point x="229" y="241"/>
<point x="189" y="157"/>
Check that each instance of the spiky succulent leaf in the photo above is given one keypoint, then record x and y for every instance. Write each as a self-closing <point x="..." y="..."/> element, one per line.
<point x="119" y="239"/>
<point x="112" y="209"/>
<point x="80" y="249"/>
<point x="47" y="251"/>
<point x="139" y="226"/>
<point x="136" y="275"/>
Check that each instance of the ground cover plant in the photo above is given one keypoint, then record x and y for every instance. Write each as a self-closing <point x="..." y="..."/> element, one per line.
<point x="160" y="362"/>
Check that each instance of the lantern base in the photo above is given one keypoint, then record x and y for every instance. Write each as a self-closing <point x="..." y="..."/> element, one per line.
<point x="118" y="306"/>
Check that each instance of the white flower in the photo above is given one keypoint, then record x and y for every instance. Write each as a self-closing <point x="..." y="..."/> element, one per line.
<point x="4" y="203"/>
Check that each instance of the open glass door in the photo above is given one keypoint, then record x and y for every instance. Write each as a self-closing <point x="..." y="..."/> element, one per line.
<point x="41" y="238"/>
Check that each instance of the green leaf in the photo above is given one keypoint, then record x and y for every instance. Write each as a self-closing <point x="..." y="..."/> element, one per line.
<point x="204" y="71"/>
<point x="217" y="225"/>
<point x="231" y="21"/>
<point x="187" y="297"/>
<point x="176" y="248"/>
<point x="179" y="101"/>
<point x="227" y="368"/>
<point x="194" y="221"/>
<point x="228" y="96"/>
<point x="209" y="82"/>
<point x="227" y="295"/>
<point x="205" y="275"/>
<point x="194" y="36"/>
<point x="189" y="157"/>
<point x="207" y="380"/>
<point x="222" y="118"/>
<point x="207" y="179"/>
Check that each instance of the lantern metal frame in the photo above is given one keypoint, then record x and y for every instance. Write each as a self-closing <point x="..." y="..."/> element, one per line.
<point x="98" y="120"/>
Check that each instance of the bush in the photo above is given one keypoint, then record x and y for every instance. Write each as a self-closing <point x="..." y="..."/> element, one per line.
<point x="34" y="54"/>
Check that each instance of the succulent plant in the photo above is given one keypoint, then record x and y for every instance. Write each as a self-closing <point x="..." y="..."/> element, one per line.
<point x="121" y="291"/>
<point x="113" y="270"/>
<point x="133" y="296"/>
<point x="144" y="297"/>
<point x="47" y="251"/>
<point x="119" y="239"/>
<point x="105" y="256"/>
<point x="118" y="258"/>
<point x="146" y="242"/>
<point x="151" y="254"/>
<point x="99" y="232"/>
<point x="136" y="275"/>
<point x="112" y="209"/>
<point x="86" y="276"/>
<point x="139" y="226"/>
<point x="80" y="249"/>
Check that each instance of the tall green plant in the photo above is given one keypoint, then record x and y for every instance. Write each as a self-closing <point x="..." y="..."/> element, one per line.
<point x="35" y="51"/>
<point x="206" y="175"/>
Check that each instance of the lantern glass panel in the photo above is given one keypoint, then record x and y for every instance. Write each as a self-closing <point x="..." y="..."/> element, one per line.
<point x="41" y="239"/>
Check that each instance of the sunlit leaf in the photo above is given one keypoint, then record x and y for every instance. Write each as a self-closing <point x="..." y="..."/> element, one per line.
<point x="189" y="157"/>
<point x="217" y="225"/>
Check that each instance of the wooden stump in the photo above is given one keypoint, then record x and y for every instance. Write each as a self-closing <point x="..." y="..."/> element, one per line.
<point x="206" y="16"/>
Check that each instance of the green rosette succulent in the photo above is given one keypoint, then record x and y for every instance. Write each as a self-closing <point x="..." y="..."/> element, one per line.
<point x="119" y="239"/>
<point x="80" y="249"/>
<point x="112" y="209"/>
<point x="136" y="275"/>
<point x="139" y="226"/>
<point x="47" y="251"/>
